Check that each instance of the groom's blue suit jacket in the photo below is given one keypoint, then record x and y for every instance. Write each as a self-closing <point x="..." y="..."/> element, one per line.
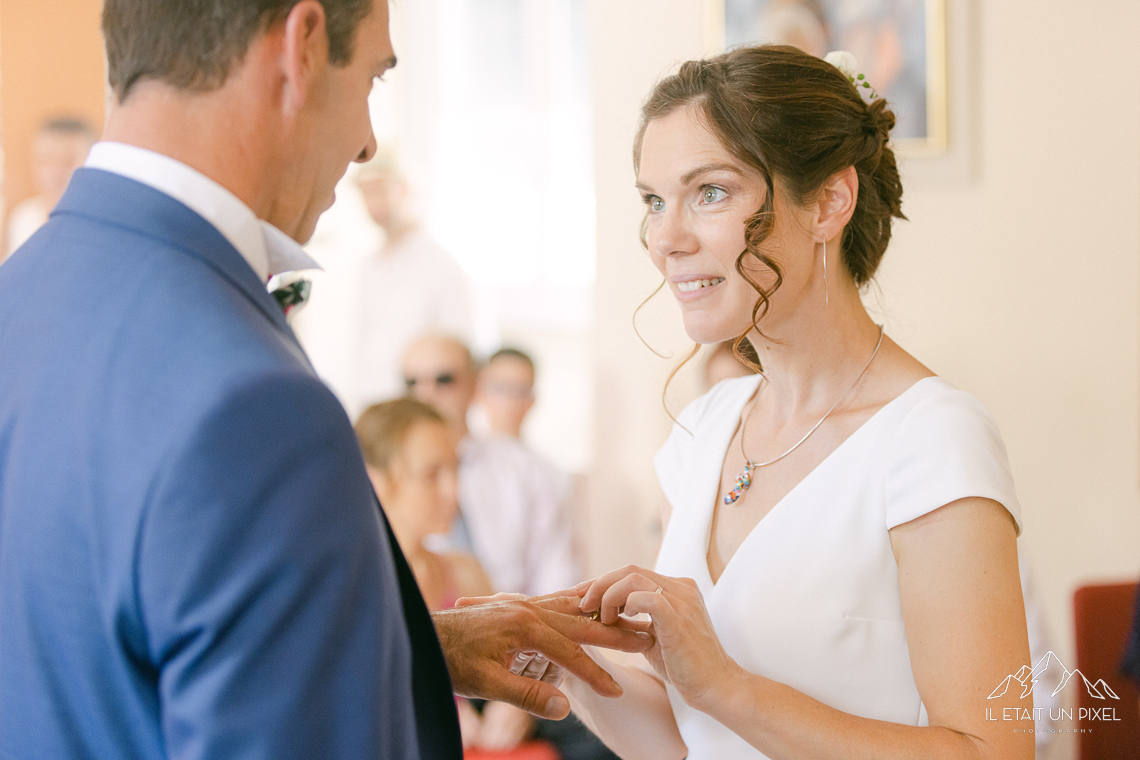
<point x="192" y="560"/>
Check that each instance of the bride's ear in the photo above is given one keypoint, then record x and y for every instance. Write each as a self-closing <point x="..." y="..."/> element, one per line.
<point x="836" y="203"/>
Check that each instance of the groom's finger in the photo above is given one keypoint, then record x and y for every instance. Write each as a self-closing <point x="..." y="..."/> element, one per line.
<point x="471" y="601"/>
<point x="536" y="697"/>
<point x="625" y="635"/>
<point x="568" y="605"/>
<point x="575" y="590"/>
<point x="568" y="655"/>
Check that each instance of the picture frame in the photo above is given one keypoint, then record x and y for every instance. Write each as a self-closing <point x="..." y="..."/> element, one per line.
<point x="900" y="44"/>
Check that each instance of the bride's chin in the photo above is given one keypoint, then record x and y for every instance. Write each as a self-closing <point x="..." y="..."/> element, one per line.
<point x="706" y="333"/>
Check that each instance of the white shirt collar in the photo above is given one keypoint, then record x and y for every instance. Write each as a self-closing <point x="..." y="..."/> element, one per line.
<point x="267" y="250"/>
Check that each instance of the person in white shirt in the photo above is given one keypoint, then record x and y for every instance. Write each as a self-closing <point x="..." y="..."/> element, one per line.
<point x="514" y="507"/>
<point x="59" y="148"/>
<point x="513" y="502"/>
<point x="409" y="286"/>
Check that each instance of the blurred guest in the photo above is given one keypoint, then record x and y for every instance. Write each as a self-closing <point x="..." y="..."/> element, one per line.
<point x="407" y="287"/>
<point x="506" y="390"/>
<point x="60" y="147"/>
<point x="513" y="502"/>
<point x="411" y="459"/>
<point x="412" y="462"/>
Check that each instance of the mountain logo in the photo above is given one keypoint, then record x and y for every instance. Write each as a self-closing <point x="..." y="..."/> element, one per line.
<point x="1027" y="677"/>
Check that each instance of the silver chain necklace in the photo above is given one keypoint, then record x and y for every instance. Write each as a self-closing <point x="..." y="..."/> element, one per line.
<point x="744" y="479"/>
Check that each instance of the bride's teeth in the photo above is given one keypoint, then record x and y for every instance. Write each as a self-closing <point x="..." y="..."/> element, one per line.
<point x="691" y="285"/>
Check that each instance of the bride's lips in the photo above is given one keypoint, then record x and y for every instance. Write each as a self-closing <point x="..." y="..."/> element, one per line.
<point x="693" y="287"/>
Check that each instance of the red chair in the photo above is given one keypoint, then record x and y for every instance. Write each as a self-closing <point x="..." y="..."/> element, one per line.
<point x="532" y="750"/>
<point x="1103" y="617"/>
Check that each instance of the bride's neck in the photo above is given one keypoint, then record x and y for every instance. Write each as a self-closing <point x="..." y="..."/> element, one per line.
<point x="812" y="358"/>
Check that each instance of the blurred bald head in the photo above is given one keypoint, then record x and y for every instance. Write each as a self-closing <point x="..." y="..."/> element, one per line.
<point x="439" y="370"/>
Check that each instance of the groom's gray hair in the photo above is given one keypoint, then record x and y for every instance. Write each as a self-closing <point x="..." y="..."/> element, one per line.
<point x="194" y="44"/>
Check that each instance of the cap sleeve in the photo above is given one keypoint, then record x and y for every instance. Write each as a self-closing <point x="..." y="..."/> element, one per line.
<point x="948" y="448"/>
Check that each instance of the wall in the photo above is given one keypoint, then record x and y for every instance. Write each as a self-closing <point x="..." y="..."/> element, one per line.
<point x="632" y="44"/>
<point x="1016" y="277"/>
<point x="51" y="59"/>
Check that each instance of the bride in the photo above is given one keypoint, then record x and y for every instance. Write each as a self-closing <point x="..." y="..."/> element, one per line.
<point x="838" y="578"/>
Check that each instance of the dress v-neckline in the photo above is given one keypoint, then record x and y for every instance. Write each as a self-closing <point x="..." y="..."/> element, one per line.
<point x="710" y="511"/>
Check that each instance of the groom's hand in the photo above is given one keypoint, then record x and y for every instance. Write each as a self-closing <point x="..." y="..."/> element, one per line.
<point x="482" y="639"/>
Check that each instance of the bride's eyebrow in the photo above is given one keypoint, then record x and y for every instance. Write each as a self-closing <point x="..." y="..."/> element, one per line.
<point x="693" y="174"/>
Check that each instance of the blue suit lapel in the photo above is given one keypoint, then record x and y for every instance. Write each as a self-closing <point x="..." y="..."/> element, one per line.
<point x="123" y="202"/>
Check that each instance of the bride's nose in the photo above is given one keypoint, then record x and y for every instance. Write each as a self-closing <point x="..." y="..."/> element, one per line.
<point x="670" y="234"/>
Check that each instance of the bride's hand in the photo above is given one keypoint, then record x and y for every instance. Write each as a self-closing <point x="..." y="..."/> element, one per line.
<point x="687" y="652"/>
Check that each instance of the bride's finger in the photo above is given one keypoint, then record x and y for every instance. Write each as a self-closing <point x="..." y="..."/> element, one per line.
<point x="593" y="596"/>
<point x="662" y="609"/>
<point x="616" y="596"/>
<point x="677" y="613"/>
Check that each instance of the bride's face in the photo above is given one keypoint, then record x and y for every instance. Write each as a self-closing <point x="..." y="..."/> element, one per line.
<point x="698" y="198"/>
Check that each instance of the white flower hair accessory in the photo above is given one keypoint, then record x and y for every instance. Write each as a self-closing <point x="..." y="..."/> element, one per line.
<point x="849" y="67"/>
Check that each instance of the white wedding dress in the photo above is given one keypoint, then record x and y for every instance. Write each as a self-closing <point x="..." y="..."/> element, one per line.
<point x="811" y="598"/>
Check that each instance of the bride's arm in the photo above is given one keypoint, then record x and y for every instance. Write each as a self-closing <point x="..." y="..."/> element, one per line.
<point x="639" y="724"/>
<point x="965" y="630"/>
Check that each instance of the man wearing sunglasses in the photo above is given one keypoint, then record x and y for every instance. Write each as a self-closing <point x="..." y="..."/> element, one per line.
<point x="513" y="502"/>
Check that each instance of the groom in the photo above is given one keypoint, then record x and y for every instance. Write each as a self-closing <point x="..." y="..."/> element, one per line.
<point x="192" y="562"/>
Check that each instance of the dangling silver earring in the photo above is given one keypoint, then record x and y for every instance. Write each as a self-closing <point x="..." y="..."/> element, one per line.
<point x="826" y="300"/>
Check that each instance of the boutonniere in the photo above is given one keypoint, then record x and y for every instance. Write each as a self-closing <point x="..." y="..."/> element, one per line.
<point x="291" y="292"/>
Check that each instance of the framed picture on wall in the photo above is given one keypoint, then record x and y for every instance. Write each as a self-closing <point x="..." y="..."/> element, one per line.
<point x="900" y="45"/>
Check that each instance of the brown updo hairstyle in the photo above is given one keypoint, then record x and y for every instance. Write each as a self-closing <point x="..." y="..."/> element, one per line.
<point x="787" y="114"/>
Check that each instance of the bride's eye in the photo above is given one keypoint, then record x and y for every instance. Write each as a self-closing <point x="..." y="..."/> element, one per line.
<point x="655" y="204"/>
<point x="712" y="194"/>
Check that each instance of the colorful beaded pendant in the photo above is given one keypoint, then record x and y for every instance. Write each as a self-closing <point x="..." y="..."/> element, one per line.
<point x="743" y="480"/>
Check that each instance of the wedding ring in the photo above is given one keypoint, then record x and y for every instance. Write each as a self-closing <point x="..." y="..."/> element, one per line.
<point x="659" y="590"/>
<point x="596" y="614"/>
